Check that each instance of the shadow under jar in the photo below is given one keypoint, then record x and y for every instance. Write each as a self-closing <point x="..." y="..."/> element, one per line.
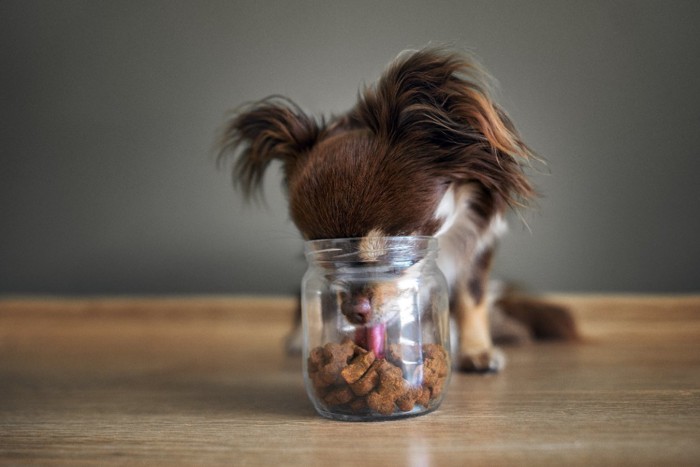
<point x="376" y="327"/>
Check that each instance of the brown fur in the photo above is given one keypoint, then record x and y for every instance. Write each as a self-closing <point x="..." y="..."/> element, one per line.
<point x="429" y="125"/>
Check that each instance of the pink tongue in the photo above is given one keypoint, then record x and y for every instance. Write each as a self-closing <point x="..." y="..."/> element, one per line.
<point x="372" y="338"/>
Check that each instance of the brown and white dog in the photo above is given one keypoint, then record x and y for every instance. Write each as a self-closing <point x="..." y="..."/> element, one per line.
<point x="425" y="151"/>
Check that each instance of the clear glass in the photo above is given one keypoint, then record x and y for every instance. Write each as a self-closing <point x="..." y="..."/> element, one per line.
<point x="376" y="328"/>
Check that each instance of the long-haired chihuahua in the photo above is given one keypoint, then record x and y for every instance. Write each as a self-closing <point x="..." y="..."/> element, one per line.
<point x="425" y="151"/>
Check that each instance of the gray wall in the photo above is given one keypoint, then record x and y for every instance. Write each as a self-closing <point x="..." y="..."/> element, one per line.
<point x="108" y="181"/>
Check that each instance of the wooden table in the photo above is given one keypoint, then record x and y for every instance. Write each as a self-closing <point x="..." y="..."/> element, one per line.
<point x="205" y="380"/>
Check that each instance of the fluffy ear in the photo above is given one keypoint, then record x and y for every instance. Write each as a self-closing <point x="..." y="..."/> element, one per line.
<point x="274" y="128"/>
<point x="438" y="103"/>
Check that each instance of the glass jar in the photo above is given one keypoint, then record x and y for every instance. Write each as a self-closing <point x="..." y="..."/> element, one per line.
<point x="376" y="327"/>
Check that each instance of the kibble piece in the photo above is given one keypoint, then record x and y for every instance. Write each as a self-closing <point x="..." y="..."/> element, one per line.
<point x="335" y="357"/>
<point x="394" y="354"/>
<point x="380" y="403"/>
<point x="368" y="381"/>
<point x="408" y="400"/>
<point x="315" y="359"/>
<point x="436" y="389"/>
<point x="392" y="386"/>
<point x="424" y="397"/>
<point x="435" y="369"/>
<point x="357" y="367"/>
<point x="391" y="379"/>
<point x="339" y="396"/>
<point x="358" y="405"/>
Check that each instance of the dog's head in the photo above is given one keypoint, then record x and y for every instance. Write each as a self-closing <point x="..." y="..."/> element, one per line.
<point x="388" y="167"/>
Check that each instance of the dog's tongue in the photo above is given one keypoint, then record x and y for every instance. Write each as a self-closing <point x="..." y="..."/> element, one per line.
<point x="372" y="338"/>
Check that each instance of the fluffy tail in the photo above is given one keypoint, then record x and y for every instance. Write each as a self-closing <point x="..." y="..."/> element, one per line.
<point x="517" y="318"/>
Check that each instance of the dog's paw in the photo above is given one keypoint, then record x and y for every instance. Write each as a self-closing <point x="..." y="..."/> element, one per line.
<point x="491" y="360"/>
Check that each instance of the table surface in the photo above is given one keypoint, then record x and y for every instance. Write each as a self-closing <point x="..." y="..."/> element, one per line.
<point x="205" y="380"/>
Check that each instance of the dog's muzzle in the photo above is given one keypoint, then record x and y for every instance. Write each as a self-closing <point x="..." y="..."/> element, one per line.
<point x="356" y="305"/>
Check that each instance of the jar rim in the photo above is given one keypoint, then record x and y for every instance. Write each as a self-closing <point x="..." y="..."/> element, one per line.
<point x="348" y="249"/>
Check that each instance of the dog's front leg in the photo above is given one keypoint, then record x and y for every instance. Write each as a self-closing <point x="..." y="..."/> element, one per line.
<point x="470" y="307"/>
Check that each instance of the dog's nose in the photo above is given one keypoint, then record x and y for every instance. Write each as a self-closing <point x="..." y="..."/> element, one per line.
<point x="357" y="308"/>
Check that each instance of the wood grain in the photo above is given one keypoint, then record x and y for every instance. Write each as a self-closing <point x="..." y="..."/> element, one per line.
<point x="204" y="380"/>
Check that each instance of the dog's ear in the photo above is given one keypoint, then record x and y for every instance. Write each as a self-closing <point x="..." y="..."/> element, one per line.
<point x="438" y="105"/>
<point x="273" y="128"/>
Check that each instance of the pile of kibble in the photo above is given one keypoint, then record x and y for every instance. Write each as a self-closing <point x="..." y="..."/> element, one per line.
<point x="349" y="377"/>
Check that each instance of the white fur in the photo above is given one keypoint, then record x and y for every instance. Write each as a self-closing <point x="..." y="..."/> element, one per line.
<point x="459" y="238"/>
<point x="446" y="211"/>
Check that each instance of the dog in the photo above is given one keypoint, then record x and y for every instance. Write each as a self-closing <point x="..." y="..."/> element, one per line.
<point x="425" y="151"/>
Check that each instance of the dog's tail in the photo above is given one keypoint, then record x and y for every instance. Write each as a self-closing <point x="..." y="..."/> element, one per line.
<point x="517" y="318"/>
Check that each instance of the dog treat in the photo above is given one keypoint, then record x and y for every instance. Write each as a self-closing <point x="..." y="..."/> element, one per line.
<point x="339" y="396"/>
<point x="357" y="367"/>
<point x="350" y="377"/>
<point x="367" y="381"/>
<point x="328" y="361"/>
<point x="434" y="369"/>
<point x="391" y="387"/>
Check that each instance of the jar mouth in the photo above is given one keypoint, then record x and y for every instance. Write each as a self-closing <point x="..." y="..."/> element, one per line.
<point x="370" y="249"/>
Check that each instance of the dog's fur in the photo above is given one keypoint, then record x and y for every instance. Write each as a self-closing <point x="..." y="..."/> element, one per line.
<point x="425" y="151"/>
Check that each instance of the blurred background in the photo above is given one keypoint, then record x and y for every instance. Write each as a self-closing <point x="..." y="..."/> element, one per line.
<point x="110" y="110"/>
